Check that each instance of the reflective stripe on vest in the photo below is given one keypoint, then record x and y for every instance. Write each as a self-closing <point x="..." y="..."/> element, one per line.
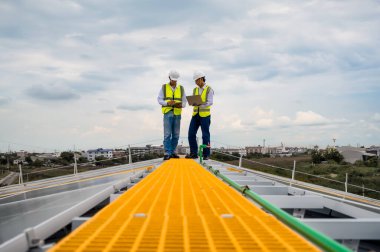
<point x="203" y="111"/>
<point x="169" y="95"/>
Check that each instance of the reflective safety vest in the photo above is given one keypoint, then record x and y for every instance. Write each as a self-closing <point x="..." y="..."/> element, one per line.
<point x="203" y="111"/>
<point x="169" y="95"/>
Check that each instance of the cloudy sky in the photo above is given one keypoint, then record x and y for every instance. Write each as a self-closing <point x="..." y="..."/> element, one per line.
<point x="87" y="73"/>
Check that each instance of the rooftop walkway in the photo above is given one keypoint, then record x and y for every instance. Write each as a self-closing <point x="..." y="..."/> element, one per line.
<point x="183" y="207"/>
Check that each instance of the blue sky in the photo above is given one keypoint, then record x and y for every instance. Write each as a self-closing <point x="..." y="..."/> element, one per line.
<point x="87" y="73"/>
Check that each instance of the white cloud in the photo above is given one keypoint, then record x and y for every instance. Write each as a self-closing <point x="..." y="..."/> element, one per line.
<point x="134" y="107"/>
<point x="309" y="118"/>
<point x="43" y="64"/>
<point x="4" y="100"/>
<point x="283" y="71"/>
<point x="97" y="130"/>
<point x="264" y="122"/>
<point x="284" y="121"/>
<point x="51" y="93"/>
<point x="260" y="119"/>
<point x="376" y="117"/>
<point x="115" y="120"/>
<point x="147" y="36"/>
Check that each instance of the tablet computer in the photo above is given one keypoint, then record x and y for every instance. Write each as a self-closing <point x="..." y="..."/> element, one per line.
<point x="194" y="100"/>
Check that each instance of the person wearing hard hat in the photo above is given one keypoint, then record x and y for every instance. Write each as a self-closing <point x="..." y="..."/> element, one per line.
<point x="172" y="99"/>
<point x="201" y="116"/>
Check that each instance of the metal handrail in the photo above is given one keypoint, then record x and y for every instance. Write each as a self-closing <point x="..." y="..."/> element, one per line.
<point x="321" y="240"/>
<point x="256" y="162"/>
<point x="91" y="162"/>
<point x="300" y="172"/>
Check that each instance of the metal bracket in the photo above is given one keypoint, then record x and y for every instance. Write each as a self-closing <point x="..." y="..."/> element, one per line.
<point x="114" y="196"/>
<point x="77" y="221"/>
<point x="299" y="212"/>
<point x="31" y="237"/>
<point x="351" y="244"/>
<point x="244" y="188"/>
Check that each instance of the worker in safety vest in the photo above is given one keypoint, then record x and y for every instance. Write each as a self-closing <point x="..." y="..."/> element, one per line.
<point x="172" y="98"/>
<point x="201" y="116"/>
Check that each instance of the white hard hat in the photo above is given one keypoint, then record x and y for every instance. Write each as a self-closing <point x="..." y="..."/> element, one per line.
<point x="198" y="74"/>
<point x="174" y="75"/>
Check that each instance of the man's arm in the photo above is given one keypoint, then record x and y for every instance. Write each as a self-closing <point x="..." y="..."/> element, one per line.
<point x="160" y="98"/>
<point x="184" y="101"/>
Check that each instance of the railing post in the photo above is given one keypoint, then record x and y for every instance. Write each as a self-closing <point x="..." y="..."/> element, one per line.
<point x="345" y="184"/>
<point x="129" y="154"/>
<point x="75" y="164"/>
<point x="200" y="154"/>
<point x="321" y="240"/>
<point x="240" y="160"/>
<point x="8" y="163"/>
<point x="363" y="189"/>
<point x="20" y="178"/>
<point x="293" y="172"/>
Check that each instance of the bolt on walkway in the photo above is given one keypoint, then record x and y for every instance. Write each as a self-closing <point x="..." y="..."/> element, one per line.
<point x="183" y="207"/>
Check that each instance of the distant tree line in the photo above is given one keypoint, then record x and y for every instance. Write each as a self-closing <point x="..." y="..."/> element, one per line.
<point x="257" y="155"/>
<point x="103" y="161"/>
<point x="235" y="155"/>
<point x="318" y="156"/>
<point x="332" y="154"/>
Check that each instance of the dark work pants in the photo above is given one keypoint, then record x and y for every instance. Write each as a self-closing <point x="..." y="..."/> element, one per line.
<point x="204" y="122"/>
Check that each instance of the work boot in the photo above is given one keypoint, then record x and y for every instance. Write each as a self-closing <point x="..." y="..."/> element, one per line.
<point x="206" y="158"/>
<point x="166" y="157"/>
<point x="191" y="156"/>
<point x="174" y="155"/>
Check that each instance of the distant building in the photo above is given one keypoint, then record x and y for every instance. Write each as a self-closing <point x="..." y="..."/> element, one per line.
<point x="44" y="157"/>
<point x="353" y="154"/>
<point x="254" y="149"/>
<point x="56" y="154"/>
<point x="273" y="151"/>
<point x="22" y="154"/>
<point x="119" y="153"/>
<point x="79" y="154"/>
<point x="148" y="149"/>
<point x="374" y="150"/>
<point x="157" y="149"/>
<point x="241" y="151"/>
<point x="92" y="154"/>
<point x="20" y="161"/>
<point x="139" y="150"/>
<point x="47" y="156"/>
<point x="296" y="150"/>
<point x="278" y="151"/>
<point x="283" y="151"/>
<point x="182" y="150"/>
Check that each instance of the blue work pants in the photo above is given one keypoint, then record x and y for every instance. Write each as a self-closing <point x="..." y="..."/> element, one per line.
<point x="172" y="125"/>
<point x="204" y="123"/>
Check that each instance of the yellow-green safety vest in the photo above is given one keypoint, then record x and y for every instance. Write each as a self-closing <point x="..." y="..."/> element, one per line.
<point x="203" y="111"/>
<point x="169" y="95"/>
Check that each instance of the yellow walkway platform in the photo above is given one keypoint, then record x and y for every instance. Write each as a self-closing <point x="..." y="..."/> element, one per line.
<point x="182" y="207"/>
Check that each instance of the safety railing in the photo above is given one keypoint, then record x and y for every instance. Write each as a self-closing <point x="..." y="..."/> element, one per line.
<point x="321" y="240"/>
<point x="28" y="175"/>
<point x="342" y="185"/>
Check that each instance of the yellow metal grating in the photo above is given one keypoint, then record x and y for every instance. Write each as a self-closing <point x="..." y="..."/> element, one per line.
<point x="182" y="207"/>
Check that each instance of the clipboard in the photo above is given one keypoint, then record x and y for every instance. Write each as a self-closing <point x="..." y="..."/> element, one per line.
<point x="194" y="100"/>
